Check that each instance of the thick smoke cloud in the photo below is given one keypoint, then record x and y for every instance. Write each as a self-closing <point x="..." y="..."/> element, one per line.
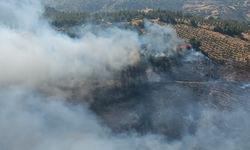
<point x="30" y="57"/>
<point x="33" y="53"/>
<point x="36" y="60"/>
<point x="160" y="40"/>
<point x="30" y="121"/>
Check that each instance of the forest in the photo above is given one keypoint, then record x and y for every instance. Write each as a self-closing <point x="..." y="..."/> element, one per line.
<point x="228" y="27"/>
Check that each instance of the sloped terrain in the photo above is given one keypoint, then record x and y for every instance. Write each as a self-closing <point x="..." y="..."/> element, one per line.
<point x="217" y="46"/>
<point x="113" y="5"/>
<point x="238" y="10"/>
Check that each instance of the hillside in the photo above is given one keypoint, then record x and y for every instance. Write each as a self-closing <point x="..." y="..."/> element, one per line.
<point x="113" y="5"/>
<point x="237" y="9"/>
<point x="84" y="75"/>
<point x="216" y="45"/>
<point x="221" y="40"/>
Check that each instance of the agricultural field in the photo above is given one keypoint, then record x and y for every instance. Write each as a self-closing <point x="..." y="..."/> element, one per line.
<point x="216" y="45"/>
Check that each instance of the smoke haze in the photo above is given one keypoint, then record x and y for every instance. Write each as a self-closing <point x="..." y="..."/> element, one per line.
<point x="39" y="64"/>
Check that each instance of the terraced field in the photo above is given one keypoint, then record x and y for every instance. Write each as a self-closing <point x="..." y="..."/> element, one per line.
<point x="217" y="46"/>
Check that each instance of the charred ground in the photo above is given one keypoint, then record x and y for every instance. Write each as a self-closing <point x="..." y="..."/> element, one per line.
<point x="167" y="95"/>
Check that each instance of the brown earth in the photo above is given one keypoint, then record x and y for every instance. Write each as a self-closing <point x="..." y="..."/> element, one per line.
<point x="217" y="46"/>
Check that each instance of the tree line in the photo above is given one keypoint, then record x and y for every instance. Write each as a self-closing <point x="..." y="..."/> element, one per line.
<point x="228" y="27"/>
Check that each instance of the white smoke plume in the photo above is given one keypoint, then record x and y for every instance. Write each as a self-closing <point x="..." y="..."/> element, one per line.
<point x="160" y="40"/>
<point x="31" y="122"/>
<point x="33" y="55"/>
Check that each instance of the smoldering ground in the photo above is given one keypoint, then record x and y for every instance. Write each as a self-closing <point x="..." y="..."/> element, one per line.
<point x="62" y="93"/>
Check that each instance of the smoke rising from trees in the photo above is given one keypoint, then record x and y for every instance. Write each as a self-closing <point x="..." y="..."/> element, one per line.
<point x="36" y="60"/>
